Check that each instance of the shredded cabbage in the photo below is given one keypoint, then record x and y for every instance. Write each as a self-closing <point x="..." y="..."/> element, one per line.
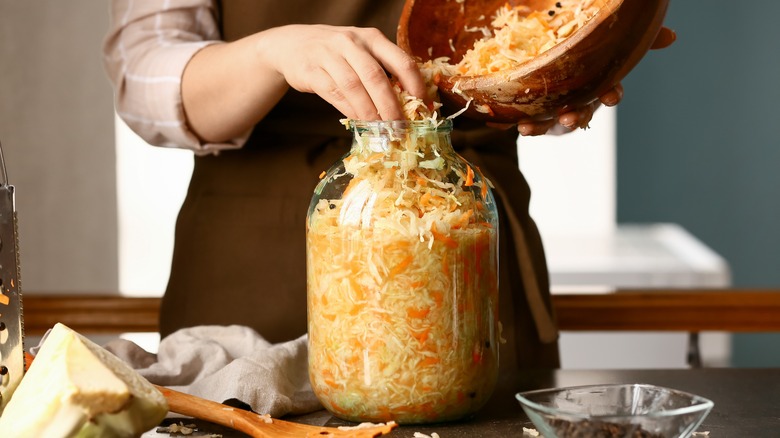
<point x="402" y="275"/>
<point x="516" y="35"/>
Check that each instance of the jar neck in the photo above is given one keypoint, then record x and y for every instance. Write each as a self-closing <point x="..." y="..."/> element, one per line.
<point x="384" y="136"/>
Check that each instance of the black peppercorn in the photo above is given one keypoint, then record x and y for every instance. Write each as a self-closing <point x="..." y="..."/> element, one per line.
<point x="551" y="13"/>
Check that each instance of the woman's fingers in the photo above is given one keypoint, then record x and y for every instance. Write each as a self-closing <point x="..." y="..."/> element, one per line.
<point x="348" y="67"/>
<point x="580" y="117"/>
<point x="577" y="118"/>
<point x="373" y="80"/>
<point x="535" y="128"/>
<point x="571" y="120"/>
<point x="360" y="83"/>
<point x="400" y="65"/>
<point x="664" y="39"/>
<point x="613" y="96"/>
<point x="388" y="57"/>
<point x="326" y="87"/>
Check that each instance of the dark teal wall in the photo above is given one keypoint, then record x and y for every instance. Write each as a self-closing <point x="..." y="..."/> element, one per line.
<point x="699" y="142"/>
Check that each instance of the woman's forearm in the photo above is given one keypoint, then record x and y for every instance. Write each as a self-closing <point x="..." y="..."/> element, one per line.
<point x="228" y="87"/>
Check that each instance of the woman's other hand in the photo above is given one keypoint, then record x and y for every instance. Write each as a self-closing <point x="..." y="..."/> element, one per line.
<point x="580" y="117"/>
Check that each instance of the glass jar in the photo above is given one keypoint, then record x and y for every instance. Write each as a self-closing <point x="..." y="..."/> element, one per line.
<point x="402" y="262"/>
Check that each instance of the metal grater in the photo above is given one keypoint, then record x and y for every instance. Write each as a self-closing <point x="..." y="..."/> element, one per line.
<point x="11" y="325"/>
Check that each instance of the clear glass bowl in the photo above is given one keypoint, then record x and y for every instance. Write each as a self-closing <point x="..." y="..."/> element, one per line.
<point x="614" y="411"/>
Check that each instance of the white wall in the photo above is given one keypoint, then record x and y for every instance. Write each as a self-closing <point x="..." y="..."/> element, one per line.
<point x="572" y="179"/>
<point x="151" y="184"/>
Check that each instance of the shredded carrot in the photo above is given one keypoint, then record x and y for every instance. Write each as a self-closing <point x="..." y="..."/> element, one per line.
<point x="429" y="200"/>
<point x="429" y="361"/>
<point x="359" y="294"/>
<point x="425" y="199"/>
<point x="396" y="245"/>
<point x="484" y="182"/>
<point x="422" y="336"/>
<point x="352" y="183"/>
<point x="28" y="360"/>
<point x="463" y="220"/>
<point x="469" y="177"/>
<point x="417" y="313"/>
<point x="322" y="175"/>
<point x="400" y="267"/>
<point x="375" y="157"/>
<point x="447" y="240"/>
<point x="338" y="408"/>
<point x="438" y="298"/>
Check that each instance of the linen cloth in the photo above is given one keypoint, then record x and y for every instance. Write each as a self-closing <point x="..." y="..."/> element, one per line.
<point x="228" y="364"/>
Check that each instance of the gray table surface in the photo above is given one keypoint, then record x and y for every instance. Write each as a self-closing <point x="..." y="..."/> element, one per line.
<point x="747" y="402"/>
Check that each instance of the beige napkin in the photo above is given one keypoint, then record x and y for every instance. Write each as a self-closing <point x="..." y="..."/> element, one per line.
<point x="228" y="364"/>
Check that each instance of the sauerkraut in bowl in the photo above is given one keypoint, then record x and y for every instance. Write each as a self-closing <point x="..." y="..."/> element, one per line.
<point x="402" y="259"/>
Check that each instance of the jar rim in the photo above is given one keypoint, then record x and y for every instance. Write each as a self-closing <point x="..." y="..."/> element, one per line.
<point x="439" y="125"/>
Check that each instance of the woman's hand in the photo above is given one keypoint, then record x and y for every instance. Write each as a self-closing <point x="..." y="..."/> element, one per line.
<point x="227" y="88"/>
<point x="580" y="117"/>
<point x="346" y="66"/>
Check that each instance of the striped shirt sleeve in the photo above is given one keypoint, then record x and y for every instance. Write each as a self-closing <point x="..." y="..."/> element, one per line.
<point x="148" y="45"/>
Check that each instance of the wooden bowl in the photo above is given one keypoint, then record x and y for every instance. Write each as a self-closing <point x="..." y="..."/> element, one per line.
<point x="571" y="74"/>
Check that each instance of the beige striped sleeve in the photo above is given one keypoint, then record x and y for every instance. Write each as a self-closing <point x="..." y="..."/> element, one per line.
<point x="149" y="43"/>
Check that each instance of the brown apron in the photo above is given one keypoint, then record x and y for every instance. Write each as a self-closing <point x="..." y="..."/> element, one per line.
<point x="239" y="255"/>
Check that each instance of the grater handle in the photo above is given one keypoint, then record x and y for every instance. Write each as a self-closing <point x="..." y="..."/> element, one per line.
<point x="3" y="172"/>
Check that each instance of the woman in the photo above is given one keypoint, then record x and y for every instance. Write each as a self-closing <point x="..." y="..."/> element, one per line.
<point x="256" y="90"/>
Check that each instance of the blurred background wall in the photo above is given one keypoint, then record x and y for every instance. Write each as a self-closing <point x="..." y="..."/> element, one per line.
<point x="699" y="142"/>
<point x="57" y="132"/>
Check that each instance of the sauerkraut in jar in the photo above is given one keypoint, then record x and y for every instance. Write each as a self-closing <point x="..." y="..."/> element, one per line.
<point x="402" y="260"/>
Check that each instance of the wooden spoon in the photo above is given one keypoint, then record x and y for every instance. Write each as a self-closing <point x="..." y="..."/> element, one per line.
<point x="573" y="73"/>
<point x="255" y="425"/>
